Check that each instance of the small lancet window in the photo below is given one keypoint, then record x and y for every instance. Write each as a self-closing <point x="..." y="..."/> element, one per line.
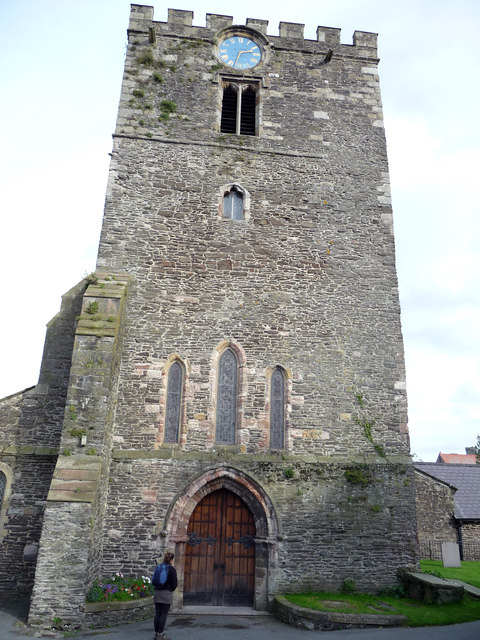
<point x="239" y="109"/>
<point x="3" y="486"/>
<point x="233" y="204"/>
<point x="227" y="398"/>
<point x="277" y="409"/>
<point x="173" y="410"/>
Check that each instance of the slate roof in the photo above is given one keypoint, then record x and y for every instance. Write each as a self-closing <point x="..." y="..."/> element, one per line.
<point x="465" y="478"/>
<point x="457" y="458"/>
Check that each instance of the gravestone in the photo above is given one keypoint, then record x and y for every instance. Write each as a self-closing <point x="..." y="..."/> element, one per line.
<point x="450" y="554"/>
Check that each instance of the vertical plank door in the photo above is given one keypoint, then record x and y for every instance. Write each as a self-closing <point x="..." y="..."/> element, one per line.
<point x="220" y="552"/>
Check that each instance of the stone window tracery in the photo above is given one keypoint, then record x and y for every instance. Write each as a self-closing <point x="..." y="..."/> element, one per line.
<point x="277" y="409"/>
<point x="173" y="409"/>
<point x="227" y="392"/>
<point x="6" y="479"/>
<point x="3" y="485"/>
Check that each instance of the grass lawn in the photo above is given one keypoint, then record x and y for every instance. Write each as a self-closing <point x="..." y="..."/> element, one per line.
<point x="417" y="613"/>
<point x="469" y="571"/>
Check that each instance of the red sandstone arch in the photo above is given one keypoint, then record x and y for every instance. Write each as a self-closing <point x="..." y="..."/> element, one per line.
<point x="261" y="507"/>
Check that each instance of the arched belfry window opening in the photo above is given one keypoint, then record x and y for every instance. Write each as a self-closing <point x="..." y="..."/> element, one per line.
<point x="173" y="410"/>
<point x="277" y="409"/>
<point x="229" y="109"/>
<point x="233" y="204"/>
<point x="239" y="109"/>
<point x="248" y="111"/>
<point x="227" y="392"/>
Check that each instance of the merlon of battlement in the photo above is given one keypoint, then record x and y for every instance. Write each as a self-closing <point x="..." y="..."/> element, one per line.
<point x="216" y="22"/>
<point x="259" y="25"/>
<point x="178" y="16"/>
<point x="141" y="18"/>
<point x="291" y="30"/>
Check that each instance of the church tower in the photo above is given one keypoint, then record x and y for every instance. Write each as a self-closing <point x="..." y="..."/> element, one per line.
<point x="236" y="392"/>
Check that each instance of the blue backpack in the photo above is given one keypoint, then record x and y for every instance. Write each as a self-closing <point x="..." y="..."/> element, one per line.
<point x="160" y="576"/>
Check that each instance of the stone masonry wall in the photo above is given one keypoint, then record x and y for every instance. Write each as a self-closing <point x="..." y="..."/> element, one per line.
<point x="471" y="534"/>
<point x="435" y="509"/>
<point x="275" y="285"/>
<point x="330" y="528"/>
<point x="31" y="475"/>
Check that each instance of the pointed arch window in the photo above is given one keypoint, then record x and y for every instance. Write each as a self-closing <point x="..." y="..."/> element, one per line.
<point x="227" y="391"/>
<point x="3" y="486"/>
<point x="6" y="479"/>
<point x="173" y="410"/>
<point x="233" y="204"/>
<point x="277" y="409"/>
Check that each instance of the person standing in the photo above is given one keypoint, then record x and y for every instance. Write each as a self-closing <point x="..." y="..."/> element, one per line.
<point x="163" y="595"/>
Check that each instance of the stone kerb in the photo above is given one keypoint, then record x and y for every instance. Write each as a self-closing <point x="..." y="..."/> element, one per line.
<point x="102" y="614"/>
<point x="312" y="619"/>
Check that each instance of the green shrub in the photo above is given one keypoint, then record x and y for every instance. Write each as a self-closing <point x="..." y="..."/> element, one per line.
<point x="146" y="58"/>
<point x="92" y="308"/>
<point x="348" y="585"/>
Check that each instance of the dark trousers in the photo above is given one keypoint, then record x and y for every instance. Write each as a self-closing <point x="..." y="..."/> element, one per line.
<point x="161" y="611"/>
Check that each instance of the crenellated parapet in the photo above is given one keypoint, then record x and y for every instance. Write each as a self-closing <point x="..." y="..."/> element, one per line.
<point x="142" y="21"/>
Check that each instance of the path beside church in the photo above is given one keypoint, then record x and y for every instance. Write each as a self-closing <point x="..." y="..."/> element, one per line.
<point x="235" y="628"/>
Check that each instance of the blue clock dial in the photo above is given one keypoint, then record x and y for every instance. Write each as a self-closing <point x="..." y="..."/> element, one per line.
<point x="240" y="52"/>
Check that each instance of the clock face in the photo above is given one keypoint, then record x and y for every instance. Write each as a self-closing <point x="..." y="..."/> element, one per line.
<point x="240" y="52"/>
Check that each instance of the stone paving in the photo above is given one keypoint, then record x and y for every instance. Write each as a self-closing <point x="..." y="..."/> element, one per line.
<point x="233" y="627"/>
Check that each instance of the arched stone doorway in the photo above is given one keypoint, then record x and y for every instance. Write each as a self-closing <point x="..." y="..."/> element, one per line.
<point x="253" y="502"/>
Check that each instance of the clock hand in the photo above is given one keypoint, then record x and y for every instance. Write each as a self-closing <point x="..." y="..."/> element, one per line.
<point x="240" y="53"/>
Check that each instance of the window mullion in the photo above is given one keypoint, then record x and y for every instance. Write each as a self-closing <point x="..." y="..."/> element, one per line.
<point x="239" y="110"/>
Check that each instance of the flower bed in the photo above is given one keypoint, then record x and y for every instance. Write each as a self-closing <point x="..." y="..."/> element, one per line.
<point x="120" y="589"/>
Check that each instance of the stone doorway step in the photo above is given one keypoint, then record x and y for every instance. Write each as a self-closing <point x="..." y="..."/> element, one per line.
<point x="192" y="610"/>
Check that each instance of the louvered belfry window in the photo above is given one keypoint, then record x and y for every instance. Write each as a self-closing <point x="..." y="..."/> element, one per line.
<point x="248" y="112"/>
<point x="239" y="109"/>
<point x="229" y="110"/>
<point x="277" y="410"/>
<point x="227" y="398"/>
<point x="174" y="403"/>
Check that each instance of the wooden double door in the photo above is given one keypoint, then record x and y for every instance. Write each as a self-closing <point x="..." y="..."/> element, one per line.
<point x="220" y="552"/>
